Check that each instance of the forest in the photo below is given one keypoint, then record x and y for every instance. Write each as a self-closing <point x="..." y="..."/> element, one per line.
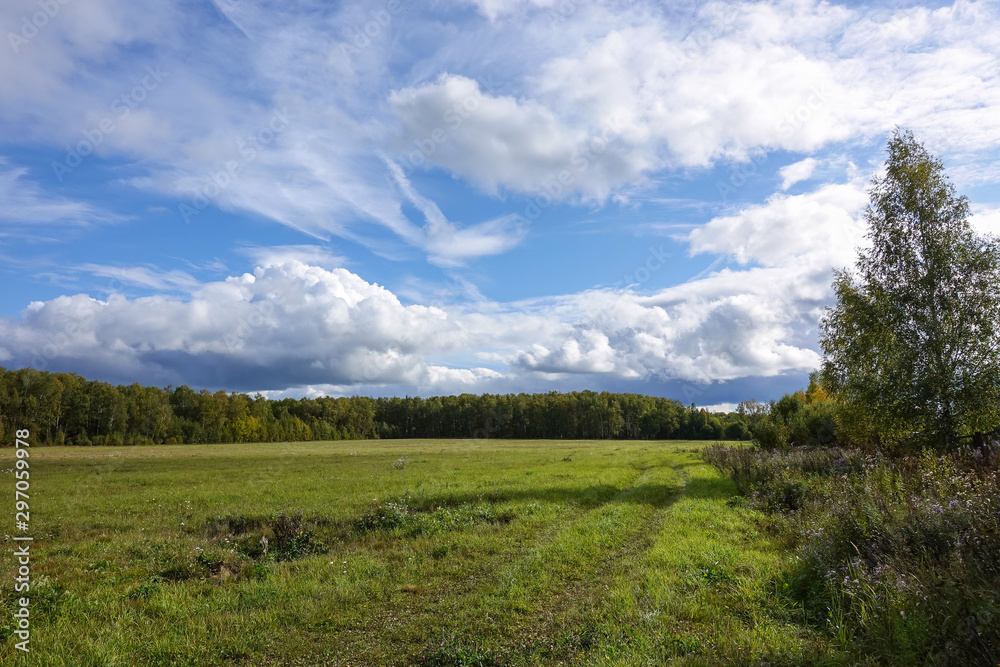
<point x="66" y="409"/>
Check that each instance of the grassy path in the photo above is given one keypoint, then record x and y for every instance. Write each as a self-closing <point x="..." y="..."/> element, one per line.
<point x="505" y="552"/>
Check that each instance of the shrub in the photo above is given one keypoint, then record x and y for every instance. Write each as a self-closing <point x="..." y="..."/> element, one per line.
<point x="412" y="522"/>
<point x="770" y="434"/>
<point x="284" y="536"/>
<point x="901" y="556"/>
<point x="292" y="539"/>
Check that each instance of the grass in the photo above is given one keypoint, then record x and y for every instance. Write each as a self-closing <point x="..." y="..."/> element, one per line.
<point x="401" y="553"/>
<point x="899" y="557"/>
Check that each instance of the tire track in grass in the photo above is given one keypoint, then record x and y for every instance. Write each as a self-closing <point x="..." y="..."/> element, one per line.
<point x="563" y="563"/>
<point x="566" y="577"/>
<point x="582" y="597"/>
<point x="457" y="589"/>
<point x="700" y="592"/>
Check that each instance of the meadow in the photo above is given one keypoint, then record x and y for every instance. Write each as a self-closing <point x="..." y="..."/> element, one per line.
<point x="401" y="552"/>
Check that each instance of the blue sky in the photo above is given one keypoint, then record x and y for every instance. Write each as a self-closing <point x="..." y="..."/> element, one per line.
<point x="484" y="196"/>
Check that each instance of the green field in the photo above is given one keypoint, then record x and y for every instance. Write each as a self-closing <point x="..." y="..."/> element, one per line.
<point x="429" y="552"/>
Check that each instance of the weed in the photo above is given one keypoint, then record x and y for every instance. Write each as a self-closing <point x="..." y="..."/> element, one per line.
<point x="900" y="557"/>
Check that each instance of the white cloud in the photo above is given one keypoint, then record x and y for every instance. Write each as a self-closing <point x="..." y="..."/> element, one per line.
<point x="493" y="9"/>
<point x="294" y="325"/>
<point x="692" y="111"/>
<point x="449" y="244"/>
<point x="208" y="141"/>
<point x="143" y="276"/>
<point x="679" y="93"/>
<point x="281" y="325"/>
<point x="502" y="142"/>
<point x="795" y="76"/>
<point x="432" y="380"/>
<point x="313" y="255"/>
<point x="821" y="228"/>
<point x="23" y="202"/>
<point x="797" y="172"/>
<point x="731" y="324"/>
<point x="720" y="407"/>
<point x="588" y="352"/>
<point x="986" y="220"/>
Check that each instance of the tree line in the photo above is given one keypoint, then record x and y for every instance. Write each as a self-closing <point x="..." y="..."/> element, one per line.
<point x="66" y="409"/>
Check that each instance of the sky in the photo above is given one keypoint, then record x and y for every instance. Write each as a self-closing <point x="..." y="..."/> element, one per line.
<point x="401" y="198"/>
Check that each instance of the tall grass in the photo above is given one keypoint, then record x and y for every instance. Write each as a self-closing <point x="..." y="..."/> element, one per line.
<point x="899" y="559"/>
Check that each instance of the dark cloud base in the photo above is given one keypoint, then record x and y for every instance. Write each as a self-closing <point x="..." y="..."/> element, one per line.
<point x="215" y="372"/>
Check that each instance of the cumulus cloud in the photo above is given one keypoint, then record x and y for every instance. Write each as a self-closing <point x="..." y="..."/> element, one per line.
<point x="588" y="352"/>
<point x="797" y="172"/>
<point x="986" y="220"/>
<point x="290" y="325"/>
<point x="727" y="325"/>
<point x="313" y="255"/>
<point x="758" y="321"/>
<point x="822" y="228"/>
<point x="741" y="77"/>
<point x="502" y="142"/>
<point x="285" y="324"/>
<point x="436" y="379"/>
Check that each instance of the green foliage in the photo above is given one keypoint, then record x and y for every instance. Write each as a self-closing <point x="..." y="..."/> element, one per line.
<point x="285" y="536"/>
<point x="779" y="480"/>
<point x="814" y="424"/>
<point x="803" y="419"/>
<point x="898" y="559"/>
<point x="912" y="348"/>
<point x="771" y="434"/>
<point x="60" y="408"/>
